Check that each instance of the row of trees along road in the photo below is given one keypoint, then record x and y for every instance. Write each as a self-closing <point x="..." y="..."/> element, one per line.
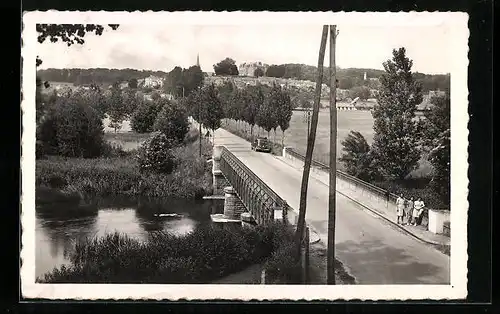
<point x="260" y="105"/>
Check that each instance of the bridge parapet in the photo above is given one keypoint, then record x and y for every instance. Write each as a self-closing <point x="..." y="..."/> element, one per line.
<point x="259" y="199"/>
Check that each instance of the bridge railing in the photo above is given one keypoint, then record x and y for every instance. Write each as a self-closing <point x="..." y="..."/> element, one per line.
<point x="346" y="177"/>
<point x="259" y="199"/>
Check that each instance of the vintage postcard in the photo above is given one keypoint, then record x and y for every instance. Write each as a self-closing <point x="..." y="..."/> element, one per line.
<point x="244" y="155"/>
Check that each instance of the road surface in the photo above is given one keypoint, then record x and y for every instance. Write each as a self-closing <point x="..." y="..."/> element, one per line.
<point x="372" y="250"/>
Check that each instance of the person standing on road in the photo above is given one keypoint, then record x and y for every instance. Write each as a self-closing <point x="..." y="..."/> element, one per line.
<point x="400" y="207"/>
<point x="409" y="211"/>
<point x="418" y="208"/>
<point x="421" y="207"/>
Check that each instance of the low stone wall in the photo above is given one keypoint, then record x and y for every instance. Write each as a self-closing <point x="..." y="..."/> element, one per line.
<point x="363" y="192"/>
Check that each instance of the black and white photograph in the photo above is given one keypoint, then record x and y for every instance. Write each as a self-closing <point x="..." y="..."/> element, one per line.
<point x="244" y="155"/>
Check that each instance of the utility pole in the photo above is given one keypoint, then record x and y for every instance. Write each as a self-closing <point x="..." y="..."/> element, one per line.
<point x="301" y="224"/>
<point x="333" y="159"/>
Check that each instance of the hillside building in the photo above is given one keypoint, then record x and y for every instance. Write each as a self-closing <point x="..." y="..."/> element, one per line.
<point x="248" y="69"/>
<point x="153" y="82"/>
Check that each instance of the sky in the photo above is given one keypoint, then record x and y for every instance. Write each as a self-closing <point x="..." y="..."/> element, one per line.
<point x="153" y="47"/>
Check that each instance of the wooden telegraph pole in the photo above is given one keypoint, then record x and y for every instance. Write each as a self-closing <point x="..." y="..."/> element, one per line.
<point x="333" y="159"/>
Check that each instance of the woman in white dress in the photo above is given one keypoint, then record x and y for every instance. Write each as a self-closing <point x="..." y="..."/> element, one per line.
<point x="400" y="207"/>
<point x="418" y="209"/>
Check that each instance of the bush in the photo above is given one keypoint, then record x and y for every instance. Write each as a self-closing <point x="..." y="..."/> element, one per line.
<point x="282" y="267"/>
<point x="71" y="129"/>
<point x="203" y="255"/>
<point x="173" y="122"/>
<point x="357" y="158"/>
<point x="144" y="116"/>
<point x="155" y="154"/>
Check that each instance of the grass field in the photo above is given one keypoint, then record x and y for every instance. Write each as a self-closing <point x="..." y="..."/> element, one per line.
<point x="356" y="120"/>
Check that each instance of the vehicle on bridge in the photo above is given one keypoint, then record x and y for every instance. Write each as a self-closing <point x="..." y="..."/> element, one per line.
<point x="261" y="144"/>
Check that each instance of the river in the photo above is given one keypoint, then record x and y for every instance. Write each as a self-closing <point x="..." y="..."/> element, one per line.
<point x="59" y="226"/>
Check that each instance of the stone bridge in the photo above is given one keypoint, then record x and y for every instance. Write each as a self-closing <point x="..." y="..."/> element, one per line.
<point x="247" y="197"/>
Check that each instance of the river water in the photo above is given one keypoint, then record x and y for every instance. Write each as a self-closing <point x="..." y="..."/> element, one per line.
<point x="59" y="226"/>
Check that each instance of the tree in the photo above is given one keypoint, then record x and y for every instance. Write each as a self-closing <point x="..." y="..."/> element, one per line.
<point x="255" y="102"/>
<point x="132" y="83"/>
<point x="192" y="79"/>
<point x="357" y="157"/>
<point x="212" y="110"/>
<point x="299" y="234"/>
<point x="276" y="71"/>
<point x="258" y="72"/>
<point x="397" y="134"/>
<point x="172" y="121"/>
<point x="144" y="116"/>
<point x="117" y="109"/>
<point x="68" y="33"/>
<point x="71" y="128"/>
<point x="266" y="116"/>
<point x="437" y="141"/>
<point x="226" y="67"/>
<point x="271" y="109"/>
<point x="95" y="99"/>
<point x="225" y="92"/>
<point x="236" y="105"/>
<point x="283" y="110"/>
<point x="173" y="83"/>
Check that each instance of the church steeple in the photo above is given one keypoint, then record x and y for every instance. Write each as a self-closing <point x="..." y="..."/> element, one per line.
<point x="198" y="60"/>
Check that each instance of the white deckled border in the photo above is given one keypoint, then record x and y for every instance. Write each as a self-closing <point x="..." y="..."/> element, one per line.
<point x="459" y="164"/>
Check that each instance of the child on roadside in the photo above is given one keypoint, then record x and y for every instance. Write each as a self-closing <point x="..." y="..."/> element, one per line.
<point x="400" y="206"/>
<point x="409" y="211"/>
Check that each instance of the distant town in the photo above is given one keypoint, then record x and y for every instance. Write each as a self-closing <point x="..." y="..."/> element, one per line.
<point x="357" y="87"/>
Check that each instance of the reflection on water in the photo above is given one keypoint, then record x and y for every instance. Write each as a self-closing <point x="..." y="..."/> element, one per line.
<point x="58" y="227"/>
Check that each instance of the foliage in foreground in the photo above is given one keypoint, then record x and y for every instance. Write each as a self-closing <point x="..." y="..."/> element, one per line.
<point x="202" y="256"/>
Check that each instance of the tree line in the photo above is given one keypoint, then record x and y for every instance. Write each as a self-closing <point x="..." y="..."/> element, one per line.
<point x="96" y="75"/>
<point x="351" y="78"/>
<point x="268" y="107"/>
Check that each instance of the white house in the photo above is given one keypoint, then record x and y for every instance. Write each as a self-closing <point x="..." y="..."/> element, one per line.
<point x="153" y="81"/>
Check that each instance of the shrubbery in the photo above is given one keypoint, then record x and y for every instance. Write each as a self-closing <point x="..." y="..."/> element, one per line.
<point x="71" y="129"/>
<point x="357" y="158"/>
<point x="202" y="256"/>
<point x="155" y="155"/>
<point x="119" y="174"/>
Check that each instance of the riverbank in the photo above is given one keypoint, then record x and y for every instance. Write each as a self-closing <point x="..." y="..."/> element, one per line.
<point x="118" y="174"/>
<point x="202" y="256"/>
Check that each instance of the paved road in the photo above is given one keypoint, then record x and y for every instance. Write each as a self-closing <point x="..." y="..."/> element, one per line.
<point x="373" y="250"/>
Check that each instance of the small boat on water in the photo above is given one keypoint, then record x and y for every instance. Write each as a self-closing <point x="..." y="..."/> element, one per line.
<point x="172" y="215"/>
